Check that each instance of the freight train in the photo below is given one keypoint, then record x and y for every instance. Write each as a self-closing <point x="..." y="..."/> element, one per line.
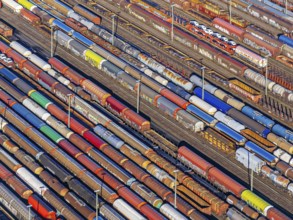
<point x="222" y="42"/>
<point x="276" y="19"/>
<point x="212" y="173"/>
<point x="257" y="39"/>
<point x="232" y="65"/>
<point x="78" y="104"/>
<point x="91" y="43"/>
<point x="219" y="104"/>
<point x="284" y="3"/>
<point x="183" y="104"/>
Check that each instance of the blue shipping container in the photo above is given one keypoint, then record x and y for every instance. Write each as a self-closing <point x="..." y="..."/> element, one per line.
<point x="8" y="74"/>
<point x="231" y="133"/>
<point x="212" y="100"/>
<point x="27" y="115"/>
<point x="82" y="39"/>
<point x="257" y="116"/>
<point x="252" y="147"/>
<point x="62" y="26"/>
<point x="201" y="114"/>
<point x="286" y="40"/>
<point x="284" y="132"/>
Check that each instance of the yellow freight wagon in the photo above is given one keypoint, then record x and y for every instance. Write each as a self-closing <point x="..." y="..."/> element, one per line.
<point x="94" y="59"/>
<point x="255" y="201"/>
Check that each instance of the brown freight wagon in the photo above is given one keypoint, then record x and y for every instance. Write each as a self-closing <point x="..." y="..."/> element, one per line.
<point x="5" y="30"/>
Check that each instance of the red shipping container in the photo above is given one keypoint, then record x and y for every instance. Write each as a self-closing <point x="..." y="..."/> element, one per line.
<point x="131" y="198"/>
<point x="47" y="79"/>
<point x="41" y="207"/>
<point x="195" y="159"/>
<point x="89" y="163"/>
<point x="219" y="178"/>
<point x="3" y="47"/>
<point x="151" y="213"/>
<point x="19" y="187"/>
<point x="94" y="139"/>
<point x="7" y="99"/>
<point x="228" y="28"/>
<point x="275" y="214"/>
<point x="115" y="106"/>
<point x="174" y="98"/>
<point x="17" y="58"/>
<point x="31" y="69"/>
<point x="61" y="91"/>
<point x="136" y="121"/>
<point x="113" y="182"/>
<point x="96" y="91"/>
<point x="114" y="154"/>
<point x="157" y="187"/>
<point x="5" y="173"/>
<point x="135" y="170"/>
<point x="57" y="112"/>
<point x="72" y="75"/>
<point x="58" y="65"/>
<point x="80" y="143"/>
<point x="69" y="148"/>
<point x="29" y="16"/>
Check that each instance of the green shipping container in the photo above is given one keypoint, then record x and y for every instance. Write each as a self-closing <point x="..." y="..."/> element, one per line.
<point x="52" y="134"/>
<point x="26" y="4"/>
<point x="255" y="201"/>
<point x="93" y="58"/>
<point x="40" y="99"/>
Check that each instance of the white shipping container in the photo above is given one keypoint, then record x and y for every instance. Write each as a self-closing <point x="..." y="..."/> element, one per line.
<point x="202" y="105"/>
<point x="59" y="77"/>
<point x="249" y="160"/>
<point x="39" y="62"/>
<point x="280" y="90"/>
<point x="156" y="77"/>
<point x="282" y="155"/>
<point x="126" y="210"/>
<point x="171" y="213"/>
<point x="15" y="7"/>
<point x="36" y="109"/>
<point x="177" y="79"/>
<point x="84" y="21"/>
<point x="20" y="49"/>
<point x="290" y="188"/>
<point x="229" y="121"/>
<point x="108" y="136"/>
<point x="31" y="180"/>
<point x="3" y="123"/>
<point x="151" y="63"/>
<point x="198" y="81"/>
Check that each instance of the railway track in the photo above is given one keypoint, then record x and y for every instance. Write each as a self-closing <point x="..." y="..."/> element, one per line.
<point x="279" y="104"/>
<point x="197" y="16"/>
<point x="249" y="18"/>
<point x="163" y="123"/>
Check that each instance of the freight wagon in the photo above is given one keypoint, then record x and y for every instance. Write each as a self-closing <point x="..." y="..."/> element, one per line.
<point x="5" y="30"/>
<point x="223" y="60"/>
<point x="276" y="19"/>
<point x="226" y="183"/>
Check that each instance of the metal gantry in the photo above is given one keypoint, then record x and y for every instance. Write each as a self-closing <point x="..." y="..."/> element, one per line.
<point x="69" y="108"/>
<point x="172" y="25"/>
